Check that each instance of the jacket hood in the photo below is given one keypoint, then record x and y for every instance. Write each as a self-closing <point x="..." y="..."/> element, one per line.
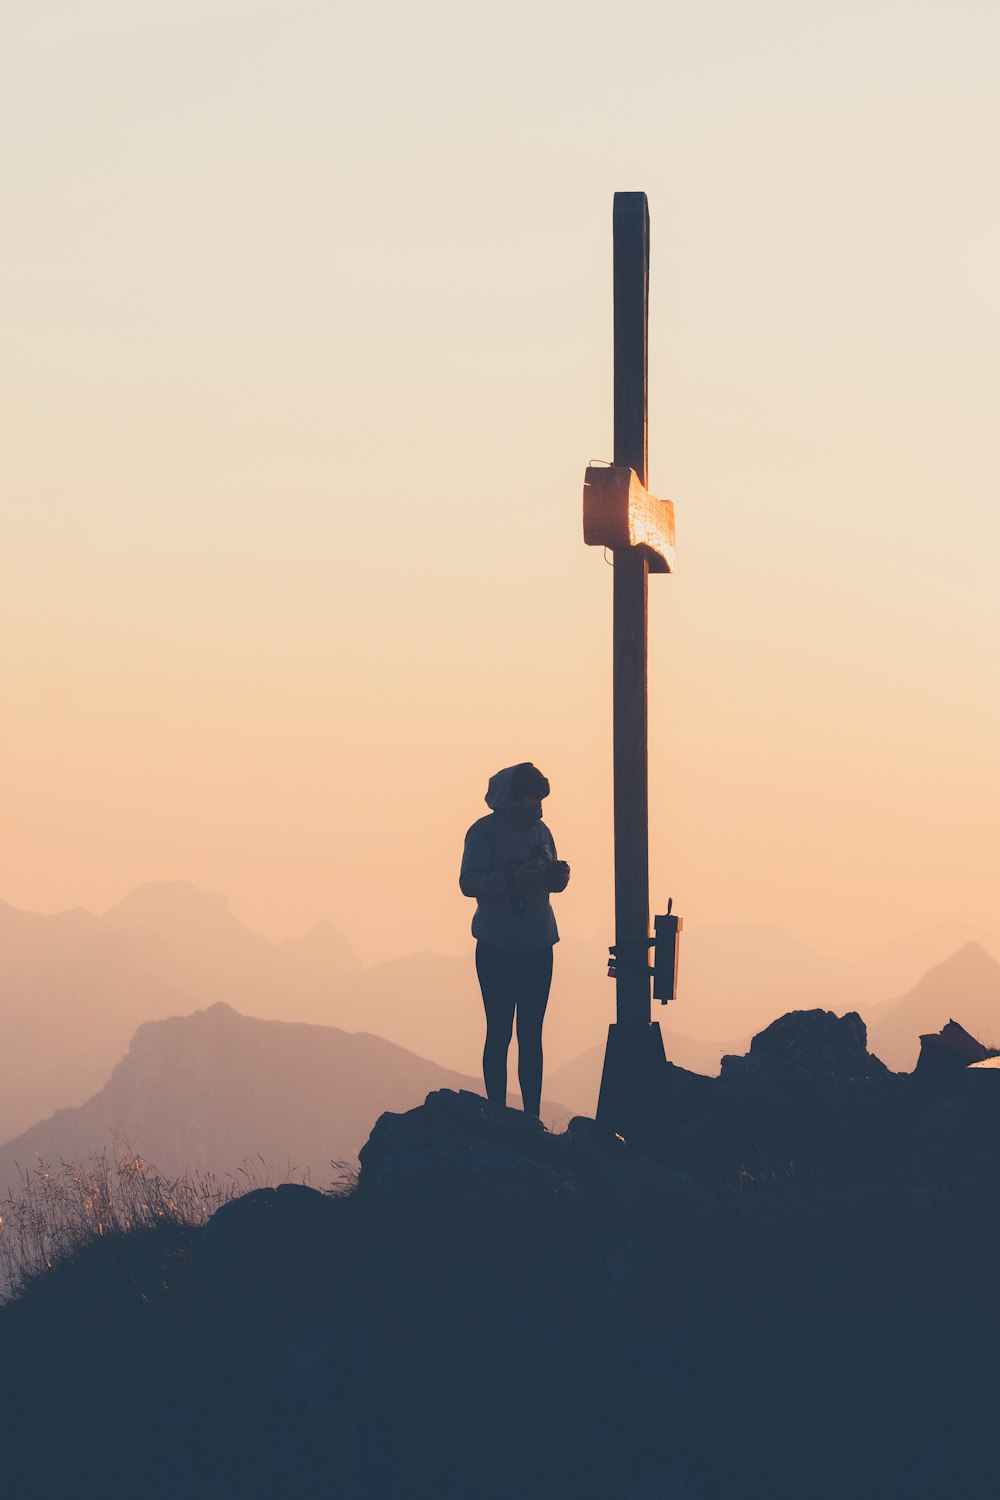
<point x="498" y="794"/>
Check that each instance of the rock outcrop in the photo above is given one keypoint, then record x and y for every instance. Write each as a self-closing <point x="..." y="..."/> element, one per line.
<point x="945" y="1055"/>
<point x="806" y="1049"/>
<point x="460" y="1164"/>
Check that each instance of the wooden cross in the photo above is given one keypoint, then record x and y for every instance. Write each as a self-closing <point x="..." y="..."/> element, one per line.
<point x="620" y="514"/>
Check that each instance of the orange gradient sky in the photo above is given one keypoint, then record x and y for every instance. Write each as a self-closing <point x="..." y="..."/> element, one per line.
<point x="307" y="328"/>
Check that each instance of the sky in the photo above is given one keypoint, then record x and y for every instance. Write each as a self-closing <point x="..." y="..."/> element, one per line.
<point x="307" y="331"/>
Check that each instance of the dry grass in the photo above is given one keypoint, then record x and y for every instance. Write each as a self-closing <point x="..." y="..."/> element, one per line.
<point x="58" y="1210"/>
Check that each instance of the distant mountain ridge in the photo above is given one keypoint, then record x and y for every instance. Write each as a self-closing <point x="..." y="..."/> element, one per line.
<point x="736" y="979"/>
<point x="205" y="1092"/>
<point x="965" y="987"/>
<point x="74" y="987"/>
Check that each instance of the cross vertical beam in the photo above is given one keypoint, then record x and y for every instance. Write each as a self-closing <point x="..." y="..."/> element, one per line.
<point x="631" y="300"/>
<point x="631" y="577"/>
<point x="619" y="512"/>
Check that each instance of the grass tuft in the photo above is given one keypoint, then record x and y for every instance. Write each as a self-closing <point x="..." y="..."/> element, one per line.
<point x="58" y="1211"/>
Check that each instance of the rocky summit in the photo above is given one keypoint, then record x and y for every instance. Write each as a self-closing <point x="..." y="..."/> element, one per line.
<point x="797" y="1298"/>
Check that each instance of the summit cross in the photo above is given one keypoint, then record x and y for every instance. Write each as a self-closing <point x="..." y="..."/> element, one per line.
<point x="619" y="513"/>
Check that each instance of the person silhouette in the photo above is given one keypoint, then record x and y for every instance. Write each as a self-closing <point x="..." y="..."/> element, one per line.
<point x="510" y="867"/>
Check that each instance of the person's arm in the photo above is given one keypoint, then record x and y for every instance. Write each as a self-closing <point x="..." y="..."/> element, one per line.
<point x="480" y="876"/>
<point x="557" y="872"/>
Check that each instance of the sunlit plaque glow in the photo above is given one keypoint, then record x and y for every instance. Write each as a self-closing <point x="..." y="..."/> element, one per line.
<point x="618" y="511"/>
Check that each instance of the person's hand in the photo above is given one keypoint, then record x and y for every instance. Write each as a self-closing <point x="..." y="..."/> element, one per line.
<point x="530" y="872"/>
<point x="558" y="875"/>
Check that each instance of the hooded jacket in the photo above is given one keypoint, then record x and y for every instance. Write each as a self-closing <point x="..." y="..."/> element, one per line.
<point x="508" y="915"/>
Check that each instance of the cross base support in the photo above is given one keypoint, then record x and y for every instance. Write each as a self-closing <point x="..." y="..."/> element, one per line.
<point x="636" y="1097"/>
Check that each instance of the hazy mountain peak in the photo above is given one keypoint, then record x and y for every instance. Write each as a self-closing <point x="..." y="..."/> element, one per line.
<point x="220" y="1011"/>
<point x="976" y="948"/>
<point x="964" y="988"/>
<point x="211" y="1019"/>
<point x="168" y="901"/>
<point x="325" y="947"/>
<point x="971" y="962"/>
<point x="76" y="920"/>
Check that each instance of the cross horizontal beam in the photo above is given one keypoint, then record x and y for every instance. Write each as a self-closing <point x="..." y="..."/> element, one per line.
<point x="619" y="512"/>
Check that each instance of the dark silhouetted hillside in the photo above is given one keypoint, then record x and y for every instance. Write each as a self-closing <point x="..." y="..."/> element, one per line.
<point x="797" y="1300"/>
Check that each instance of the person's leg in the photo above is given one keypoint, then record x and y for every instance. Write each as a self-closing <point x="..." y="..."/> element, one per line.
<point x="532" y="998"/>
<point x="493" y="968"/>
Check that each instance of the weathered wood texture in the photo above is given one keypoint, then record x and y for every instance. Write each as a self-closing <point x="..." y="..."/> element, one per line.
<point x="631" y="771"/>
<point x="618" y="511"/>
<point x="631" y="287"/>
<point x="631" y="779"/>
